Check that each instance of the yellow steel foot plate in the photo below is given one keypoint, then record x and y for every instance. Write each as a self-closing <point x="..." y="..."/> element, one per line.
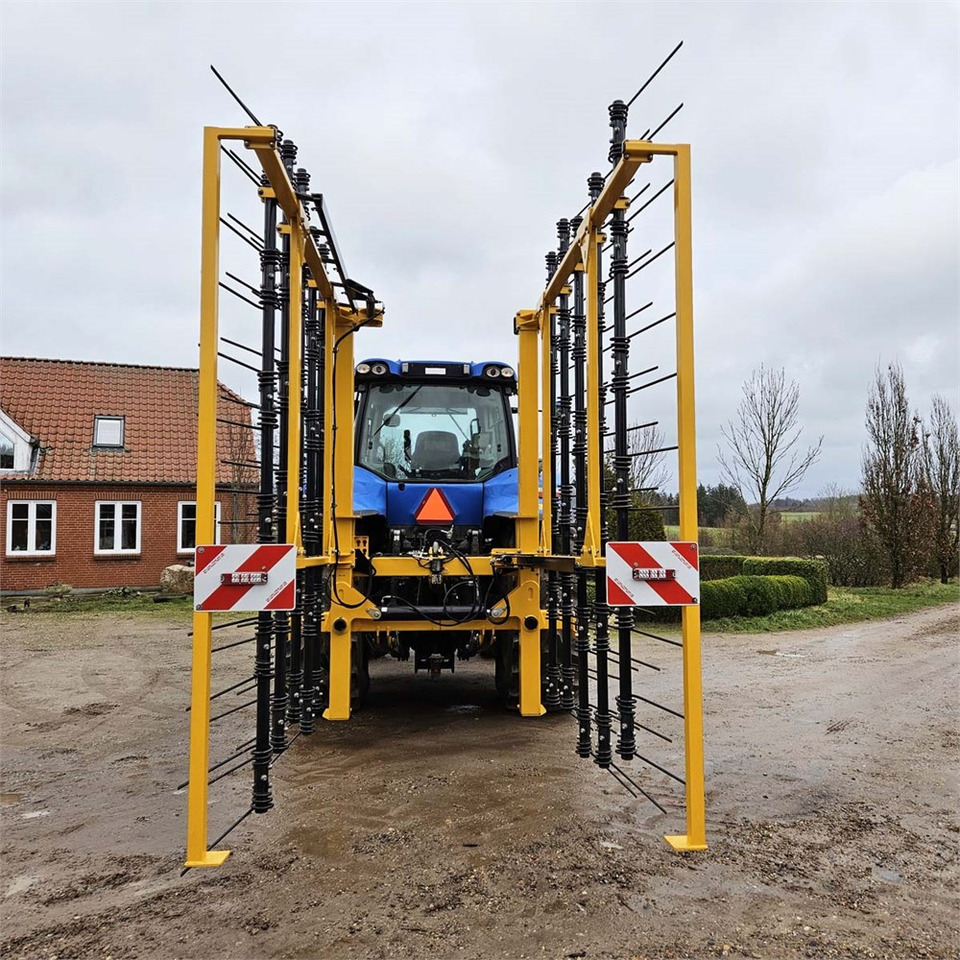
<point x="682" y="842"/>
<point x="212" y="858"/>
<point x="538" y="712"/>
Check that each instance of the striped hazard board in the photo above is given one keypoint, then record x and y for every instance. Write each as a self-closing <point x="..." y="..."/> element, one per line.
<point x="245" y="577"/>
<point x="653" y="574"/>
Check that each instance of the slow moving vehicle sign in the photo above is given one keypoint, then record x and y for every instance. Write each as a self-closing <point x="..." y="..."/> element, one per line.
<point x="653" y="574"/>
<point x="245" y="577"/>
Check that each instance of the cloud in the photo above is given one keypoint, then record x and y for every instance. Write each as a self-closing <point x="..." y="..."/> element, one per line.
<point x="448" y="139"/>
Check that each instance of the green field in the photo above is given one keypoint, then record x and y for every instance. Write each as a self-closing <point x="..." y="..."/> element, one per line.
<point x="792" y="516"/>
<point x="716" y="536"/>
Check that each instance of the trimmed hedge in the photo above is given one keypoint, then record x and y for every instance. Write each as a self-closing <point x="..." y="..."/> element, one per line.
<point x="793" y="592"/>
<point x="753" y="596"/>
<point x="719" y="567"/>
<point x="720" y="598"/>
<point x="815" y="572"/>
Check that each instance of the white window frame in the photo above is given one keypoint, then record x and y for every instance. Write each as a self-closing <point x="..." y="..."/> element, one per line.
<point x="32" y="529"/>
<point x="117" y="519"/>
<point x="22" y="451"/>
<point x="189" y="551"/>
<point x="123" y="431"/>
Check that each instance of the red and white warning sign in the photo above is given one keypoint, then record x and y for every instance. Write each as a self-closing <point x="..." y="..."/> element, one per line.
<point x="653" y="574"/>
<point x="246" y="577"/>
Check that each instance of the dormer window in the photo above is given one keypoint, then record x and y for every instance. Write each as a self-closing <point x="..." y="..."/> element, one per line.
<point x="16" y="447"/>
<point x="6" y="452"/>
<point x="108" y="432"/>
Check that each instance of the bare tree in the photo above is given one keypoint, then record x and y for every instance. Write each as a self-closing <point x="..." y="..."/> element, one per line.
<point x="895" y="501"/>
<point x="646" y="448"/>
<point x="941" y="467"/>
<point x="765" y="458"/>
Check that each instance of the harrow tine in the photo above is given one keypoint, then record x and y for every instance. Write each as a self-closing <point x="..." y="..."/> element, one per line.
<point x="655" y="73"/>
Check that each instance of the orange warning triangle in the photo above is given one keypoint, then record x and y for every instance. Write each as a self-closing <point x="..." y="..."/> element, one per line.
<point x="434" y="508"/>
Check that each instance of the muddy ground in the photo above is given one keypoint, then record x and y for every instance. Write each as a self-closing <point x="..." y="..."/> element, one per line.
<point x="435" y="825"/>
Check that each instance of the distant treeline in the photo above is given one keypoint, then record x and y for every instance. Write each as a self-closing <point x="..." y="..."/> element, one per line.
<point x="722" y="504"/>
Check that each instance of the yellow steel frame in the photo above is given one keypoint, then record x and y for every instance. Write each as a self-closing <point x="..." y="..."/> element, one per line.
<point x="582" y="254"/>
<point x="348" y="612"/>
<point x="303" y="250"/>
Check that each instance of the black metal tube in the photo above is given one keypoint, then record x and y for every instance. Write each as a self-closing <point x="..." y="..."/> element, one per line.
<point x="281" y="621"/>
<point x="579" y="451"/>
<point x="310" y="509"/>
<point x="226" y="713"/>
<point x="266" y="503"/>
<point x="564" y="534"/>
<point x="623" y="496"/>
<point x="602" y="755"/>
<point x="618" y="124"/>
<point x="301" y="181"/>
<point x="551" y="693"/>
<point x="633" y="782"/>
<point x="654" y="636"/>
<point x="659" y="193"/>
<point x="241" y="166"/>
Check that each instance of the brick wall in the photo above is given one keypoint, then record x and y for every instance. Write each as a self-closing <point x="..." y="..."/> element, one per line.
<point x="75" y="563"/>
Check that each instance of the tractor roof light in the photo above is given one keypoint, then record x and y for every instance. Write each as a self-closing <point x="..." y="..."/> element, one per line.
<point x="363" y="368"/>
<point x="379" y="369"/>
<point x="507" y="372"/>
<point x="492" y="372"/>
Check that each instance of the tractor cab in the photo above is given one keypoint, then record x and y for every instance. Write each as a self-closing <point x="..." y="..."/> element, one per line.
<point x="435" y="446"/>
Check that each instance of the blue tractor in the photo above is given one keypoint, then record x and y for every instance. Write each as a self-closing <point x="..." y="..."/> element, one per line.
<point x="435" y="477"/>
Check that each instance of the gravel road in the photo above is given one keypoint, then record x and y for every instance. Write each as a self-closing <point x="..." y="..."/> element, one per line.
<point x="435" y="825"/>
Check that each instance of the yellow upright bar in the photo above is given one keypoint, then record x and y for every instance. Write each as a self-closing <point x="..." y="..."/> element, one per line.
<point x="546" y="461"/>
<point x="341" y="643"/>
<point x="696" y="835"/>
<point x="197" y="853"/>
<point x="329" y="337"/>
<point x="529" y="324"/>
<point x="592" y="551"/>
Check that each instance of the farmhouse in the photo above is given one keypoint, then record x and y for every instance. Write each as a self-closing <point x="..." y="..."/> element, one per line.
<point x="98" y="472"/>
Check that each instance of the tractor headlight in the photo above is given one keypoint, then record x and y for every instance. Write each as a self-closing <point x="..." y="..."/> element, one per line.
<point x="507" y="372"/>
<point x="492" y="372"/>
<point x="379" y="369"/>
<point x="363" y="368"/>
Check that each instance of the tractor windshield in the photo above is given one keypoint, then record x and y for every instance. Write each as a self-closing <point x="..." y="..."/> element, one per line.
<point x="434" y="431"/>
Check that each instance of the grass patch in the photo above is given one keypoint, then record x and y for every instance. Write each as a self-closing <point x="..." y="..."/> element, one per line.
<point x="108" y="602"/>
<point x="708" y="537"/>
<point x="794" y="515"/>
<point x="844" y="605"/>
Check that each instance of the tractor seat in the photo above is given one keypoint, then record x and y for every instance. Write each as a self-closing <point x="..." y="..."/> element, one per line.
<point x="436" y="450"/>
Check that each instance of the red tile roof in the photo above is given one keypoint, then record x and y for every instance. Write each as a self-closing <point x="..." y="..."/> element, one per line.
<point x="55" y="401"/>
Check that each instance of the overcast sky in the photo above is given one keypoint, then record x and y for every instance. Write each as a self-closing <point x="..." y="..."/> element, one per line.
<point x="449" y="138"/>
